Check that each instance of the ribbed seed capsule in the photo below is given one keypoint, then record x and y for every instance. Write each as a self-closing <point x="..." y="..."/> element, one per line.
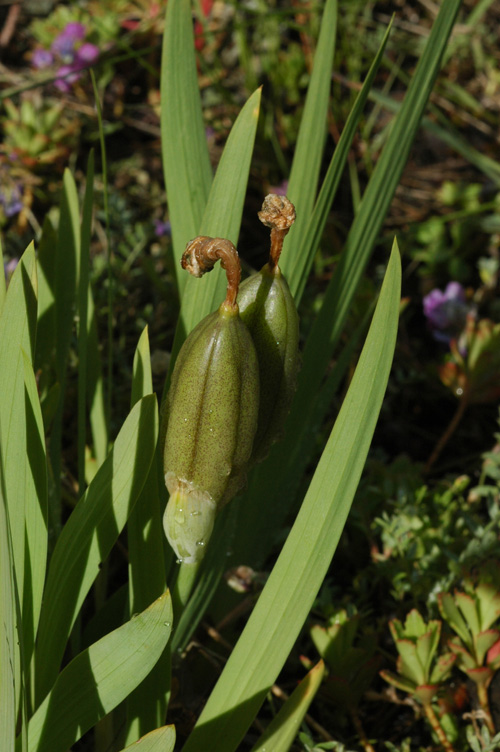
<point x="212" y="409"/>
<point x="268" y="310"/>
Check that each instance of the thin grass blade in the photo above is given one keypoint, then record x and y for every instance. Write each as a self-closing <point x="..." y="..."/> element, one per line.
<point x="160" y="740"/>
<point x="186" y="161"/>
<point x="296" y="578"/>
<point x="83" y="297"/>
<point x="99" y="678"/>
<point x="282" y="730"/>
<point x="222" y="218"/>
<point x="304" y="175"/>
<point x="297" y="265"/>
<point x="23" y="495"/>
<point x="2" y="279"/>
<point x="67" y="267"/>
<point x="147" y="705"/>
<point x="89" y="535"/>
<point x="8" y="620"/>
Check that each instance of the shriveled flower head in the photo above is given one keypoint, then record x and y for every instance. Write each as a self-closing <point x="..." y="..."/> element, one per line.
<point x="446" y="312"/>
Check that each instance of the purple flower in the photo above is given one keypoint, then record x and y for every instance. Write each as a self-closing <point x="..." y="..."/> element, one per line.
<point x="42" y="58"/>
<point x="86" y="54"/>
<point x="446" y="312"/>
<point x="162" y="228"/>
<point x="67" y="75"/>
<point x="64" y="44"/>
<point x="9" y="268"/>
<point x="279" y="190"/>
<point x="11" y="201"/>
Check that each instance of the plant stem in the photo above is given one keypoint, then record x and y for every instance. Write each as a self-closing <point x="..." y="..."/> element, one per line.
<point x="361" y="732"/>
<point x="437" y="728"/>
<point x="482" y="696"/>
<point x="183" y="587"/>
<point x="201" y="255"/>
<point x="278" y="213"/>
<point x="448" y="432"/>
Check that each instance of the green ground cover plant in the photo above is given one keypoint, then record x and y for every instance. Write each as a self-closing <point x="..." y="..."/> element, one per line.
<point x="331" y="549"/>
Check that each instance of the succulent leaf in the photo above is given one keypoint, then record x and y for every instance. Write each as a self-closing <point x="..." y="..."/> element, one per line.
<point x="481" y="675"/>
<point x="415" y="626"/>
<point x="427" y="645"/>
<point x="425" y="692"/>
<point x="452" y="615"/>
<point x="488" y="599"/>
<point x="400" y="682"/>
<point x="409" y="664"/>
<point x="484" y="641"/>
<point x="468" y="606"/>
<point x="442" y="668"/>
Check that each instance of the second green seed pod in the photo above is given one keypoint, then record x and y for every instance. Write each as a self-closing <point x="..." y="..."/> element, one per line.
<point x="268" y="310"/>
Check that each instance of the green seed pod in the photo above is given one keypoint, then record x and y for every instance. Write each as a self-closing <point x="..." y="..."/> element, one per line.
<point x="212" y="409"/>
<point x="268" y="309"/>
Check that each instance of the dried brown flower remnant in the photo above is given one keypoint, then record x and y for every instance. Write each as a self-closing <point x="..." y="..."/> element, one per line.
<point x="278" y="213"/>
<point x="202" y="254"/>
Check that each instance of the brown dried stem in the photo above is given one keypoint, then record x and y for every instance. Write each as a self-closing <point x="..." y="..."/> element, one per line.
<point x="202" y="254"/>
<point x="278" y="213"/>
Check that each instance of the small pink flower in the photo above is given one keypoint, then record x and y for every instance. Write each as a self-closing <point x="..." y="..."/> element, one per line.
<point x="67" y="75"/>
<point x="86" y="54"/>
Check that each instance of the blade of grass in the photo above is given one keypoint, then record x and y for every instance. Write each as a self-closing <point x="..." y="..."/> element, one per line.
<point x="449" y="136"/>
<point x="89" y="535"/>
<point x="36" y="491"/>
<point x="297" y="265"/>
<point x="160" y="740"/>
<point x="147" y="705"/>
<point x="24" y="499"/>
<point x="67" y="265"/>
<point x="305" y="558"/>
<point x="222" y="218"/>
<point x="99" y="678"/>
<point x="95" y="385"/>
<point x="2" y="279"/>
<point x="282" y="730"/>
<point x="308" y="156"/>
<point x="8" y="679"/>
<point x="109" y="257"/>
<point x="186" y="161"/>
<point x="83" y="296"/>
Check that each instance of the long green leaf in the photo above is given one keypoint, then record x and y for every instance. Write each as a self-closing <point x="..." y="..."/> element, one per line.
<point x="308" y="156"/>
<point x="283" y="729"/>
<point x="147" y="705"/>
<point x="297" y="265"/>
<point x="160" y="740"/>
<point x="25" y="498"/>
<point x="270" y="478"/>
<point x="89" y="535"/>
<point x="67" y="267"/>
<point x="8" y="621"/>
<point x="99" y="678"/>
<point x="83" y="299"/>
<point x="2" y="279"/>
<point x="306" y="556"/>
<point x="222" y="218"/>
<point x="186" y="162"/>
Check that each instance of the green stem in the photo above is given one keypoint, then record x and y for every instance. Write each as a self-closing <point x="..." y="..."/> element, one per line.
<point x="448" y="432"/>
<point x="482" y="696"/>
<point x="437" y="728"/>
<point x="367" y="746"/>
<point x="183" y="587"/>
